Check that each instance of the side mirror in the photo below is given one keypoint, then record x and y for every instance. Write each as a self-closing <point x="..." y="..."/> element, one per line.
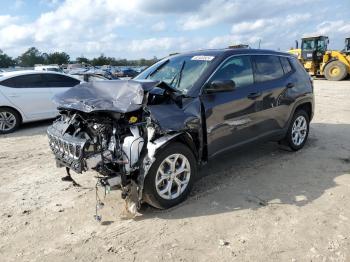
<point x="220" y="86"/>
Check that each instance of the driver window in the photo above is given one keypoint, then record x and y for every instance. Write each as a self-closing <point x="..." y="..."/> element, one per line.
<point x="239" y="69"/>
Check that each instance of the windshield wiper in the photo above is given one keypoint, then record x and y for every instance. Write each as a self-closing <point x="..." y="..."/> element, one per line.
<point x="178" y="76"/>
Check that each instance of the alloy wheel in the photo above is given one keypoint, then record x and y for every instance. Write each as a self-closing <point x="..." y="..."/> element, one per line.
<point x="299" y="130"/>
<point x="173" y="176"/>
<point x="7" y="121"/>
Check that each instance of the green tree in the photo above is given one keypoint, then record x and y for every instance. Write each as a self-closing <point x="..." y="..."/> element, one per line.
<point x="5" y="60"/>
<point x="82" y="59"/>
<point x="31" y="57"/>
<point x="101" y="60"/>
<point x="58" y="58"/>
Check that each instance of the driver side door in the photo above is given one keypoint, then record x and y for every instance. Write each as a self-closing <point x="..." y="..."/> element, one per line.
<point x="231" y="116"/>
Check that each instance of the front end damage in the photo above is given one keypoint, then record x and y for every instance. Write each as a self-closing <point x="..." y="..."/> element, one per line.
<point x="115" y="129"/>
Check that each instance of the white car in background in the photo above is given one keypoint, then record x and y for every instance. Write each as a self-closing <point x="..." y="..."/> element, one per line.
<point x="25" y="96"/>
<point x="53" y="68"/>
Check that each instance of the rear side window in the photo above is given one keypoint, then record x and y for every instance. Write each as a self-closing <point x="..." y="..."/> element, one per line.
<point x="53" y="80"/>
<point x="267" y="67"/>
<point x="24" y="81"/>
<point x="287" y="68"/>
<point x="239" y="69"/>
<point x="299" y="68"/>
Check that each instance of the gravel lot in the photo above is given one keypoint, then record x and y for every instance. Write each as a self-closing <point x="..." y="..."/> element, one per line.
<point x="258" y="204"/>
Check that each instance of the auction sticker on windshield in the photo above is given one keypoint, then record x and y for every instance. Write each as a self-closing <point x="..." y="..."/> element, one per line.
<point x="203" y="58"/>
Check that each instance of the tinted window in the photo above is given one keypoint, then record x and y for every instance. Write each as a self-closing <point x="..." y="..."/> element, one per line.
<point x="53" y="80"/>
<point x="267" y="68"/>
<point x="9" y="82"/>
<point x="24" y="81"/>
<point x="299" y="68"/>
<point x="287" y="68"/>
<point x="239" y="69"/>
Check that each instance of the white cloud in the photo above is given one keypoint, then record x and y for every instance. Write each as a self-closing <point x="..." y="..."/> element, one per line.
<point x="211" y="13"/>
<point x="329" y="27"/>
<point x="236" y="11"/>
<point x="125" y="28"/>
<point x="228" y="40"/>
<point x="6" y="20"/>
<point x="248" y="27"/>
<point x="160" y="26"/>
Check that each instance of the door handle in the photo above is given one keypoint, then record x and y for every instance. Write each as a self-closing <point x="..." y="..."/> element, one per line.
<point x="254" y="95"/>
<point x="290" y="85"/>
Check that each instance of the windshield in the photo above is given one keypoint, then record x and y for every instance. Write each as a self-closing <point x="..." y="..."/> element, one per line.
<point x="180" y="72"/>
<point x="312" y="44"/>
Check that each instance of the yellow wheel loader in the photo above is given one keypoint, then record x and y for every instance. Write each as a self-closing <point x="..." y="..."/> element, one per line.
<point x="318" y="61"/>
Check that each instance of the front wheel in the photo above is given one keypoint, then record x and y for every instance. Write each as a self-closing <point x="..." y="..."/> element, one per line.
<point x="298" y="130"/>
<point x="170" y="177"/>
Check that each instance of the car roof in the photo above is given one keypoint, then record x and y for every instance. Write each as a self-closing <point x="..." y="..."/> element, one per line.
<point x="233" y="51"/>
<point x="6" y="75"/>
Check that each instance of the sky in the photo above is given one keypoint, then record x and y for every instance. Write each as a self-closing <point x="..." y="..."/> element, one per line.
<point x="135" y="29"/>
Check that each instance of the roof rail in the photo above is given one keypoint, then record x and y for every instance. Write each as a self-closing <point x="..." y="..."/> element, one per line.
<point x="238" y="46"/>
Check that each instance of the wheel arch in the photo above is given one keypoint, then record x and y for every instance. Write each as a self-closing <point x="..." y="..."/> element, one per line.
<point x="14" y="109"/>
<point x="306" y="104"/>
<point x="189" y="139"/>
<point x="307" y="107"/>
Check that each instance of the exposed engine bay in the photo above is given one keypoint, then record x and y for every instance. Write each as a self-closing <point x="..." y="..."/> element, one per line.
<point x="110" y="127"/>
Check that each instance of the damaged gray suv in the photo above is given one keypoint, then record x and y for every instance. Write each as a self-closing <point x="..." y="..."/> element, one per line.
<point x="149" y="135"/>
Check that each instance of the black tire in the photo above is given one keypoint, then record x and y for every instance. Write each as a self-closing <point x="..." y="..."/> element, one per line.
<point x="151" y="195"/>
<point x="6" y="112"/>
<point x="288" y="140"/>
<point x="335" y="71"/>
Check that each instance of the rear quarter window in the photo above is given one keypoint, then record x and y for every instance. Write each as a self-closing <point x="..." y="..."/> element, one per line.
<point x="287" y="68"/>
<point x="267" y="68"/>
<point x="299" y="68"/>
<point x="10" y="82"/>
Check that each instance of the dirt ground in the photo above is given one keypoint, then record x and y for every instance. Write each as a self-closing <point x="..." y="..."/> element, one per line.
<point x="258" y="204"/>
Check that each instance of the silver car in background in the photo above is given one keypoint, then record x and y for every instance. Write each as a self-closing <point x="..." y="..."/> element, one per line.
<point x="25" y="96"/>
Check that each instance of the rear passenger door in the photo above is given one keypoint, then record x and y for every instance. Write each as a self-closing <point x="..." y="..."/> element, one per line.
<point x="272" y="83"/>
<point x="58" y="84"/>
<point x="30" y="95"/>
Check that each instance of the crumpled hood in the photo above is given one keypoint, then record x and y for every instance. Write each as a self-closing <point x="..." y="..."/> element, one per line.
<point x="120" y="96"/>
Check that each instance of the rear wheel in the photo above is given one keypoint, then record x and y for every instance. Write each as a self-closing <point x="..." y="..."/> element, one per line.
<point x="298" y="130"/>
<point x="9" y="120"/>
<point x="335" y="71"/>
<point x="170" y="177"/>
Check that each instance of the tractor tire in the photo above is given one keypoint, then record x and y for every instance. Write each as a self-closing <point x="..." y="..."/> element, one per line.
<point x="335" y="71"/>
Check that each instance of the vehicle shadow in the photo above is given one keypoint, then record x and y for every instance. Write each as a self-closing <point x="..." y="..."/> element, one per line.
<point x="267" y="174"/>
<point x="30" y="129"/>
